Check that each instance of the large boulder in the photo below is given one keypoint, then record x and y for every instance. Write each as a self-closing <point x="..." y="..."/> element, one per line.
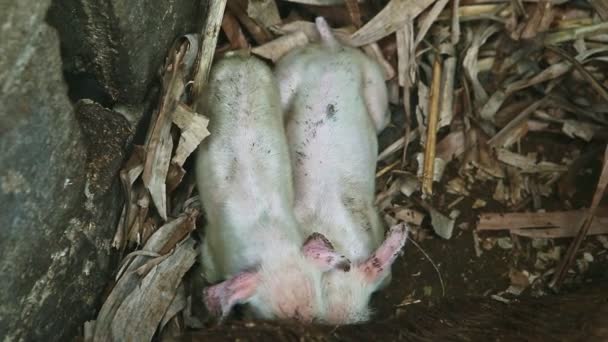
<point x="119" y="45"/>
<point x="60" y="198"/>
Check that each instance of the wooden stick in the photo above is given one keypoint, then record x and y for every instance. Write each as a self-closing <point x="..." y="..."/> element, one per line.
<point x="209" y="36"/>
<point x="431" y="134"/>
<point x="531" y="220"/>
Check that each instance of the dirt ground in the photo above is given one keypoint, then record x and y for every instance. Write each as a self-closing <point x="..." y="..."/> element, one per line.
<point x="463" y="272"/>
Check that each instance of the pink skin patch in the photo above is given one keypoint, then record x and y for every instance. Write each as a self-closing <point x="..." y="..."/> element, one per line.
<point x="374" y="267"/>
<point x="321" y="252"/>
<point x="220" y="298"/>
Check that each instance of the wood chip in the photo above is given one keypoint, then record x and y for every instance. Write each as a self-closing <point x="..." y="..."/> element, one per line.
<point x="527" y="164"/>
<point x="553" y="224"/>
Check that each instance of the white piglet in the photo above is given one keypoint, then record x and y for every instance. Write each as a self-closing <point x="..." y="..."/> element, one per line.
<point x="335" y="101"/>
<point x="252" y="244"/>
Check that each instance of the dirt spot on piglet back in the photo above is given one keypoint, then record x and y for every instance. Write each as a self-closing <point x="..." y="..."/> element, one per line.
<point x="331" y="111"/>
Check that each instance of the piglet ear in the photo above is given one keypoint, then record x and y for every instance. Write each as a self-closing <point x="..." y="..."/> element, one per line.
<point x="321" y="252"/>
<point x="379" y="263"/>
<point x="222" y="297"/>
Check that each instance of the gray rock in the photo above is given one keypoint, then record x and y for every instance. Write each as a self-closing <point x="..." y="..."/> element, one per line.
<point x="60" y="198"/>
<point x="119" y="46"/>
<point x="58" y="206"/>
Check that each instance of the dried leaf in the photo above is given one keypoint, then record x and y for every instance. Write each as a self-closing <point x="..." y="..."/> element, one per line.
<point x="233" y="32"/>
<point x="442" y="225"/>
<point x="429" y="19"/>
<point x="310" y="30"/>
<point x="277" y="48"/>
<point x="409" y="184"/>
<point x="163" y="240"/>
<point x="598" y="87"/>
<point x="177" y="305"/>
<point x="355" y="12"/>
<point x="397" y="145"/>
<point x="159" y="142"/>
<point x="539" y="21"/>
<point x="601" y="7"/>
<point x="194" y="129"/>
<point x="575" y="33"/>
<point x="579" y="129"/>
<point x="499" y="138"/>
<point x="264" y="12"/>
<point x="469" y="63"/>
<point x="174" y="177"/>
<point x="259" y="33"/>
<point x="128" y="175"/>
<point x="318" y="2"/>
<point x="392" y="17"/>
<point x="438" y="167"/>
<point x="528" y="164"/>
<point x="451" y="146"/>
<point x="139" y="315"/>
<point x="457" y="186"/>
<point x="406" y="54"/>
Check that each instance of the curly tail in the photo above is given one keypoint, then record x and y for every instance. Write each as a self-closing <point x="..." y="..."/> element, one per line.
<point x="327" y="36"/>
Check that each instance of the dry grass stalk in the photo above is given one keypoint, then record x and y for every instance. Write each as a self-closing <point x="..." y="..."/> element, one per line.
<point x="566" y="35"/>
<point x="601" y="7"/>
<point x="355" y="12"/>
<point x="499" y="138"/>
<point x="159" y="142"/>
<point x="258" y="32"/>
<point x="390" y="19"/>
<point x="429" y="19"/>
<point x="431" y="136"/>
<point x="233" y="32"/>
<point x="210" y="32"/>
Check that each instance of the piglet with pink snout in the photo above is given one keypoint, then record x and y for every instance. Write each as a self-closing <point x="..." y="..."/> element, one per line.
<point x="253" y="249"/>
<point x="335" y="102"/>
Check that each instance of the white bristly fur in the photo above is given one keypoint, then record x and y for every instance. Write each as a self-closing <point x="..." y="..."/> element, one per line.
<point x="245" y="183"/>
<point x="335" y="102"/>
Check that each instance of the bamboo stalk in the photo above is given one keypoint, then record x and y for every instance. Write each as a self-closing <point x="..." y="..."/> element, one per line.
<point x="209" y="35"/>
<point x="431" y="135"/>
